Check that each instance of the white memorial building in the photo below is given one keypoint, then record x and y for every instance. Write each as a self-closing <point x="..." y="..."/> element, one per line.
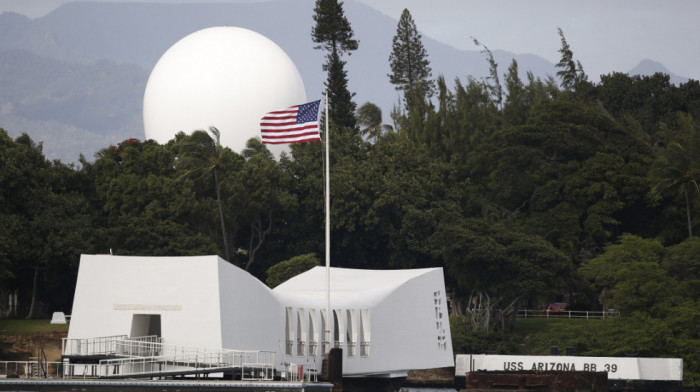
<point x="387" y="322"/>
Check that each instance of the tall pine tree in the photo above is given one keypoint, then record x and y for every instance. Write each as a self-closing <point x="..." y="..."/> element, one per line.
<point x="571" y="72"/>
<point x="409" y="62"/>
<point x="333" y="34"/>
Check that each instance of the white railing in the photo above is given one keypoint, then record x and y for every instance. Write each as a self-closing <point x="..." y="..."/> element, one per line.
<point x="148" y="355"/>
<point x="145" y="346"/>
<point x="105" y="345"/>
<point x="185" y="362"/>
<point x="29" y="369"/>
<point x="119" y="345"/>
<point x="257" y="371"/>
<point x="297" y="372"/>
<point x="585" y="314"/>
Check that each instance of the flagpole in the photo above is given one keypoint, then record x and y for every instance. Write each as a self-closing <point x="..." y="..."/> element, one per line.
<point x="328" y="232"/>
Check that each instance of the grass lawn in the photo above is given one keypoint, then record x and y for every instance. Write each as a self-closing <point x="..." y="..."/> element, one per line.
<point x="30" y="327"/>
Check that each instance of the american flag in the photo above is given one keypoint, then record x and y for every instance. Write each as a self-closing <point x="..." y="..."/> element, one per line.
<point x="295" y="124"/>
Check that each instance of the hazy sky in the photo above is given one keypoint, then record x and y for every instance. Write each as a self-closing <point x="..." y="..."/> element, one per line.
<point x="605" y="35"/>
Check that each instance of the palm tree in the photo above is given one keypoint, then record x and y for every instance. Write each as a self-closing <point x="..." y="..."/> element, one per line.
<point x="201" y="154"/>
<point x="369" y="118"/>
<point x="253" y="147"/>
<point x="677" y="167"/>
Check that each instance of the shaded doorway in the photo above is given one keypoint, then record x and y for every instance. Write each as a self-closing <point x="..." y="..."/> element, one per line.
<point x="145" y="325"/>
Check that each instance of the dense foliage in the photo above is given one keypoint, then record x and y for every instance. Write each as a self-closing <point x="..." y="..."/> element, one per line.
<point x="284" y="270"/>
<point x="526" y="192"/>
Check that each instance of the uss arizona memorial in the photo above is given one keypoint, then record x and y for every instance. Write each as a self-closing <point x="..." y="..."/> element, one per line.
<point x="386" y="322"/>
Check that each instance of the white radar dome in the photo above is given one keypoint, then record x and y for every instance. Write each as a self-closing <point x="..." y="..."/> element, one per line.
<point x="225" y="77"/>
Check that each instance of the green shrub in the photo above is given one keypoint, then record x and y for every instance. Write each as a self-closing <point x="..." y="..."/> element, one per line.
<point x="283" y="271"/>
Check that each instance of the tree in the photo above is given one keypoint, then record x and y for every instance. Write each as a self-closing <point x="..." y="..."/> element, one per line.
<point x="516" y="106"/>
<point x="409" y="62"/>
<point x="25" y="194"/>
<point x="333" y="34"/>
<point x="12" y="181"/>
<point x="341" y="108"/>
<point x="253" y="147"/>
<point x="498" y="266"/>
<point x="147" y="209"/>
<point x="656" y="289"/>
<point x="571" y="72"/>
<point x="258" y="199"/>
<point x="332" y="31"/>
<point x="629" y="275"/>
<point x="33" y="205"/>
<point x="45" y="224"/>
<point x="493" y="84"/>
<point x="369" y="117"/>
<point x="199" y="155"/>
<point x="64" y="226"/>
<point x="285" y="270"/>
<point x="677" y="167"/>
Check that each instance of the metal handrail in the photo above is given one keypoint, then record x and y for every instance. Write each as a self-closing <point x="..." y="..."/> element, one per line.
<point x="104" y="345"/>
<point x="42" y="369"/>
<point x="297" y="372"/>
<point x="213" y="360"/>
<point x="149" y="355"/>
<point x="108" y="345"/>
<point x="586" y="314"/>
<point x="28" y="369"/>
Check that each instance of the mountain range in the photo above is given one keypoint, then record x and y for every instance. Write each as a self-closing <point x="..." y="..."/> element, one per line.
<point x="74" y="79"/>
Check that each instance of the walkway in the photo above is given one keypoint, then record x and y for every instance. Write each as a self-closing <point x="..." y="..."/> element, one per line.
<point x="148" y="357"/>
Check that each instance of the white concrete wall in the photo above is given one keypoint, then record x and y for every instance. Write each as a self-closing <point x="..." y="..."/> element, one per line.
<point x="251" y="316"/>
<point x="183" y="291"/>
<point x="403" y="329"/>
<point x="404" y="333"/>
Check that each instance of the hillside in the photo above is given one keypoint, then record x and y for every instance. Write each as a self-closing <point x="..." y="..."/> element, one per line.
<point x="73" y="108"/>
<point x="103" y="53"/>
<point x="99" y="39"/>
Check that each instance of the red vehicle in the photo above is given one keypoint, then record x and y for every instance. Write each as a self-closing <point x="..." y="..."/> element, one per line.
<point x="556" y="309"/>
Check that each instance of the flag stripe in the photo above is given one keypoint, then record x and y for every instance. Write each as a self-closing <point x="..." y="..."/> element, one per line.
<point x="295" y="124"/>
<point x="287" y="127"/>
<point x="281" y="117"/>
<point x="291" y="135"/>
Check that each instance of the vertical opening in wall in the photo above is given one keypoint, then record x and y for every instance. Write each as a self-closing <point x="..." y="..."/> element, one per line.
<point x="439" y="319"/>
<point x="288" y="331"/>
<point x="313" y="332"/>
<point x="338" y="329"/>
<point x="364" y="332"/>
<point x="145" y="325"/>
<point x="325" y="332"/>
<point x="351" y="331"/>
<point x="301" y="333"/>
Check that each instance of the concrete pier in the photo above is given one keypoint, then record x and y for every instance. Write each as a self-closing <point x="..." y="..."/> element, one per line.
<point x="160" y="386"/>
